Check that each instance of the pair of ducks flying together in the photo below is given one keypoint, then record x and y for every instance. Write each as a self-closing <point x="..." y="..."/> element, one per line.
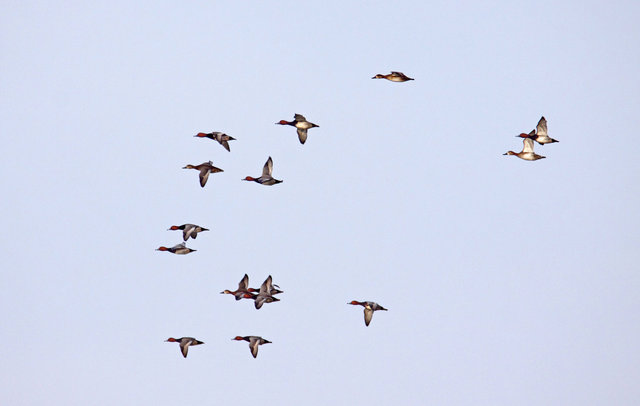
<point x="186" y="342"/>
<point x="539" y="135"/>
<point x="299" y="122"/>
<point x="207" y="168"/>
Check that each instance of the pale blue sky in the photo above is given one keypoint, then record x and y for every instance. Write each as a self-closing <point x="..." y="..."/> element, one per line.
<point x="507" y="282"/>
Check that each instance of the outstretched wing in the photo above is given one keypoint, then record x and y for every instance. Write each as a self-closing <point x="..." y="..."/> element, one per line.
<point x="368" y="314"/>
<point x="302" y="135"/>
<point x="268" y="167"/>
<point x="253" y="344"/>
<point x="184" y="347"/>
<point x="541" y="128"/>
<point x="244" y="283"/>
<point x="188" y="231"/>
<point x="225" y="144"/>
<point x="265" y="288"/>
<point x="299" y="117"/>
<point x="527" y="145"/>
<point x="204" y="176"/>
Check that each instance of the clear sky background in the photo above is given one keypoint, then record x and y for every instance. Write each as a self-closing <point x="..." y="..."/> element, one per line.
<point x="508" y="282"/>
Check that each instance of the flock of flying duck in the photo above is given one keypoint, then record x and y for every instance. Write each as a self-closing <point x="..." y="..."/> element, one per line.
<point x="267" y="290"/>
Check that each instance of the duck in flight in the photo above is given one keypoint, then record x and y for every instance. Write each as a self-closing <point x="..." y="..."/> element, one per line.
<point x="222" y="138"/>
<point x="189" y="230"/>
<point x="265" y="295"/>
<point x="369" y="308"/>
<point x="205" y="169"/>
<point x="179" y="249"/>
<point x="266" y="178"/>
<point x="540" y="134"/>
<point x="243" y="291"/>
<point x="394" y="77"/>
<point x="254" y="342"/>
<point x="185" y="342"/>
<point x="301" y="124"/>
<point x="527" y="151"/>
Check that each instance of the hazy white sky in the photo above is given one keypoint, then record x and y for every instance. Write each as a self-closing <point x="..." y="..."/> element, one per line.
<point x="507" y="282"/>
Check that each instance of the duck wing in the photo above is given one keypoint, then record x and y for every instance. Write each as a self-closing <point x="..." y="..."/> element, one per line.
<point x="204" y="176"/>
<point x="268" y="167"/>
<point x="178" y="246"/>
<point x="258" y="301"/>
<point x="266" y="286"/>
<point x="189" y="229"/>
<point x="527" y="145"/>
<point x="541" y="128"/>
<point x="368" y="314"/>
<point x="225" y="144"/>
<point x="299" y="117"/>
<point x="253" y="345"/>
<point x="184" y="347"/>
<point x="244" y="283"/>
<point x="302" y="135"/>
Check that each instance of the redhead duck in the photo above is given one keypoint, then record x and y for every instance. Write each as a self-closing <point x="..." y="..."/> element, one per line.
<point x="243" y="291"/>
<point x="527" y="151"/>
<point x="254" y="342"/>
<point x="179" y="249"/>
<point x="189" y="230"/>
<point x="185" y="342"/>
<point x="266" y="178"/>
<point x="540" y="134"/>
<point x="369" y="308"/>
<point x="301" y="124"/>
<point x="205" y="169"/>
<point x="394" y="77"/>
<point x="222" y="138"/>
